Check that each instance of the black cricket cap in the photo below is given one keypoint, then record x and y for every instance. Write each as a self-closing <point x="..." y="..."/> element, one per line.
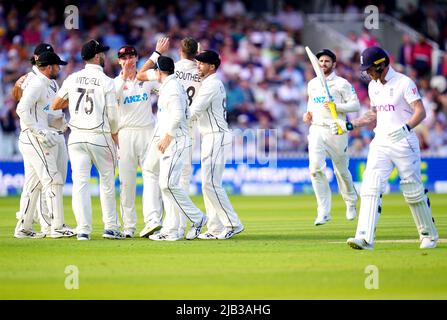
<point x="373" y="56"/>
<point x="327" y="52"/>
<point x="209" y="56"/>
<point x="49" y="58"/>
<point x="41" y="48"/>
<point x="127" y="50"/>
<point x="165" y="64"/>
<point x="89" y="49"/>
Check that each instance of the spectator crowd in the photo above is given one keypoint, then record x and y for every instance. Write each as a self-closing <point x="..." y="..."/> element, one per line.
<point x="264" y="65"/>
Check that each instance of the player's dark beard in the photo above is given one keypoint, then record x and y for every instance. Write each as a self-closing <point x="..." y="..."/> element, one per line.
<point x="101" y="62"/>
<point x="54" y="74"/>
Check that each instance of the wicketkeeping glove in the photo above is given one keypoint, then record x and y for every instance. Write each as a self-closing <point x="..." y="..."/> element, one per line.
<point x="399" y="134"/>
<point x="47" y="137"/>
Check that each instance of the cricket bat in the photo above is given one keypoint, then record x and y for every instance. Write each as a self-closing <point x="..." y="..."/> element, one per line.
<point x="320" y="75"/>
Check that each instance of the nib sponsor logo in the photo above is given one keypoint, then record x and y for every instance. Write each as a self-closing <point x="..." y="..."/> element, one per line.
<point x="385" y="107"/>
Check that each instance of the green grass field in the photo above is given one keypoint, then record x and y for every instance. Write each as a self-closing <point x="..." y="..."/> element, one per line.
<point x="280" y="255"/>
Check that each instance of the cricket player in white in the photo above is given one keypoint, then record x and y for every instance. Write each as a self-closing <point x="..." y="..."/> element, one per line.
<point x="187" y="74"/>
<point x="56" y="121"/>
<point x="40" y="144"/>
<point x="93" y="120"/>
<point x="322" y="142"/>
<point x="170" y="142"/>
<point x="135" y="130"/>
<point x="396" y="108"/>
<point x="209" y="109"/>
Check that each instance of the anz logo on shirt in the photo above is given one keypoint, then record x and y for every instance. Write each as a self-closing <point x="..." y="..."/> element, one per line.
<point x="321" y="99"/>
<point x="136" y="98"/>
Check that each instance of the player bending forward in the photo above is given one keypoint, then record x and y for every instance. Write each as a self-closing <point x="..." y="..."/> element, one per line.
<point x="397" y="109"/>
<point x="322" y="142"/>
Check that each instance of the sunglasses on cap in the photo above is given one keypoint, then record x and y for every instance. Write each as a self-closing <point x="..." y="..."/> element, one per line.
<point x="127" y="51"/>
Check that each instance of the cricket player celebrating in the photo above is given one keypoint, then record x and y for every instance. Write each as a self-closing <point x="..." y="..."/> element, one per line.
<point x="209" y="109"/>
<point x="187" y="74"/>
<point x="322" y="142"/>
<point x="396" y="108"/>
<point x="40" y="146"/>
<point x="136" y="125"/>
<point x="170" y="141"/>
<point x="56" y="121"/>
<point x="93" y="120"/>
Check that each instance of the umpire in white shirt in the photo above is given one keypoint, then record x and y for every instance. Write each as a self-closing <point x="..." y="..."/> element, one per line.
<point x="171" y="140"/>
<point x="209" y="108"/>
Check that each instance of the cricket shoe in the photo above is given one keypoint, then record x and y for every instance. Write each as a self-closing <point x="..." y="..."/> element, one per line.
<point x="359" y="244"/>
<point x="149" y="229"/>
<point x="83" y="237"/>
<point x="194" y="231"/>
<point x="207" y="236"/>
<point x="21" y="234"/>
<point x="129" y="233"/>
<point x="163" y="237"/>
<point x="428" y="243"/>
<point x="113" y="234"/>
<point x="322" y="220"/>
<point x="229" y="234"/>
<point x="64" y="232"/>
<point x="351" y="212"/>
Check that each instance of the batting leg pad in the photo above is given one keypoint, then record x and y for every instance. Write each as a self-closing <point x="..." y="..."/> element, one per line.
<point x="370" y="207"/>
<point x="416" y="197"/>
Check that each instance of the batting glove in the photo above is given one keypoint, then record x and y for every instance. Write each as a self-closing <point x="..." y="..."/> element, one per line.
<point x="344" y="125"/>
<point x="47" y="137"/>
<point x="400" y="133"/>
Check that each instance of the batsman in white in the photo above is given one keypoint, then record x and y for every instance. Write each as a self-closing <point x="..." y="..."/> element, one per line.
<point x="396" y="108"/>
<point x="135" y="130"/>
<point x="40" y="144"/>
<point x="322" y="142"/>
<point x="170" y="143"/>
<point x="56" y="121"/>
<point x="209" y="109"/>
<point x="93" y="120"/>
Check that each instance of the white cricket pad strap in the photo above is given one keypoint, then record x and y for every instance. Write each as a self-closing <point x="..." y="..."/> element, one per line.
<point x="416" y="197"/>
<point x="370" y="207"/>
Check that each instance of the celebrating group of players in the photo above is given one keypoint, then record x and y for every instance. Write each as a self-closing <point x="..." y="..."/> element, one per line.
<point x="111" y="124"/>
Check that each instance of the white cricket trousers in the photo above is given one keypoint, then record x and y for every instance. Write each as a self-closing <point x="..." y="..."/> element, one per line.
<point x="169" y="168"/>
<point x="44" y="172"/>
<point x="323" y="143"/>
<point x="85" y="149"/>
<point x="221" y="215"/>
<point x="133" y="152"/>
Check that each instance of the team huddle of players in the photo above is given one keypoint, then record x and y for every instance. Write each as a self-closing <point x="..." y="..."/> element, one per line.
<point x="112" y="123"/>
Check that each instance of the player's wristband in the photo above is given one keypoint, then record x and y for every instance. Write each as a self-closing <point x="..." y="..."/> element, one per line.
<point x="349" y="126"/>
<point x="154" y="56"/>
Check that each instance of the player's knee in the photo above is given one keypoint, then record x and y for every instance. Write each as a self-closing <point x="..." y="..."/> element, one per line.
<point x="316" y="171"/>
<point x="413" y="190"/>
<point x="372" y="184"/>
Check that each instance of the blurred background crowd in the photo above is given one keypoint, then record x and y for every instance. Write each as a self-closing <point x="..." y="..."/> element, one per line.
<point x="264" y="65"/>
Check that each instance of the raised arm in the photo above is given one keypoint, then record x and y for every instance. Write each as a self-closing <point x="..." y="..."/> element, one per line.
<point x="161" y="48"/>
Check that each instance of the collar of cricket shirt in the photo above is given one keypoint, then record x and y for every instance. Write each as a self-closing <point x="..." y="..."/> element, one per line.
<point x="211" y="76"/>
<point x="331" y="76"/>
<point x="166" y="80"/>
<point x="391" y="73"/>
<point x="41" y="75"/>
<point x="93" y="66"/>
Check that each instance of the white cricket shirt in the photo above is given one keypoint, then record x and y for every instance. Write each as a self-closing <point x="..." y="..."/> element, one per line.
<point x="187" y="74"/>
